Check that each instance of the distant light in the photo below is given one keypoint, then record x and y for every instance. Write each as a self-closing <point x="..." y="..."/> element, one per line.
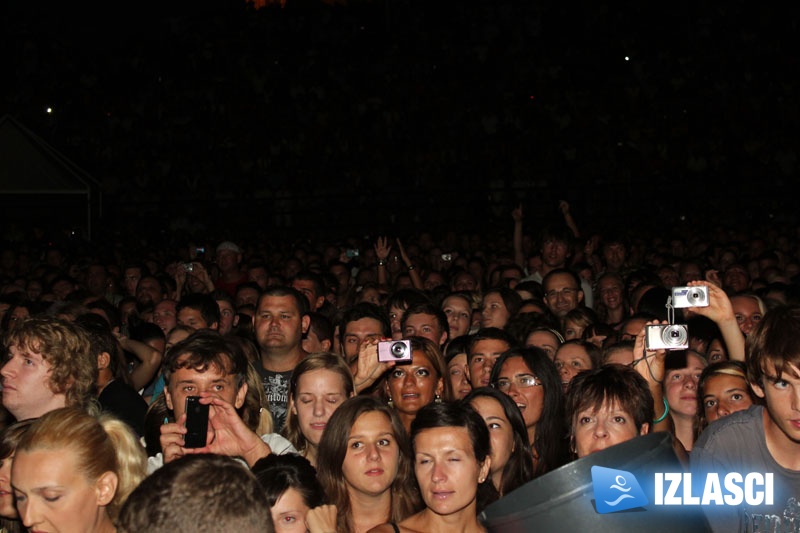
<point x="49" y="110"/>
<point x="532" y="97"/>
<point x="627" y="58"/>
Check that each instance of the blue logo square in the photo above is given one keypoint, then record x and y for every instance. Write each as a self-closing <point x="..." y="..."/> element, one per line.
<point x="616" y="490"/>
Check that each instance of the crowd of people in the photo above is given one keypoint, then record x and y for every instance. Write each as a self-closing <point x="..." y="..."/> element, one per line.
<point x="400" y="386"/>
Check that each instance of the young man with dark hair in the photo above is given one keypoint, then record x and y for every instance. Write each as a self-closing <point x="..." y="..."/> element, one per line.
<point x="762" y="439"/>
<point x="361" y="323"/>
<point x="482" y="353"/>
<point x="312" y="286"/>
<point x="426" y="320"/>
<point x="198" y="311"/>
<point x="215" y="368"/>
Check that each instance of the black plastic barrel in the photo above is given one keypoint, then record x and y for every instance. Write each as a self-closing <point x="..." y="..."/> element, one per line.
<point x="563" y="500"/>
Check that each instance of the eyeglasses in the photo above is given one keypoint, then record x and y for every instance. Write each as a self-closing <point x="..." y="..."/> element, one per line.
<point x="521" y="382"/>
<point x="566" y="293"/>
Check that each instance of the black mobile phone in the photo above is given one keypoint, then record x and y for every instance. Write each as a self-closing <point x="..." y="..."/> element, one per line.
<point x="196" y="423"/>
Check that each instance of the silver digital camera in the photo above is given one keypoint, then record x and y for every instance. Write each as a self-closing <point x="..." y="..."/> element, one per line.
<point x="667" y="337"/>
<point x="690" y="296"/>
<point x="397" y="351"/>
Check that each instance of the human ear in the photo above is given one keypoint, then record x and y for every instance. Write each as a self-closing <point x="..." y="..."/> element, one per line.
<point x="241" y="394"/>
<point x="103" y="360"/>
<point x="106" y="488"/>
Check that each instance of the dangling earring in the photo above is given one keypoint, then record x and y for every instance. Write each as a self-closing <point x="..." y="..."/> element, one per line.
<point x="390" y="403"/>
<point x="437" y="399"/>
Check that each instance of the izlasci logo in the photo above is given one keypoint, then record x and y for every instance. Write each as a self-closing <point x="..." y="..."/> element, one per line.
<point x="616" y="490"/>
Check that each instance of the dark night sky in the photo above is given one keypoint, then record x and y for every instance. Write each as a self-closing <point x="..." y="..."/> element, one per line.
<point x="421" y="112"/>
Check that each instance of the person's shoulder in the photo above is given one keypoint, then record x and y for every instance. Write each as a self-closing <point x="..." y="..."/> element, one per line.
<point x="278" y="444"/>
<point x="741" y="425"/>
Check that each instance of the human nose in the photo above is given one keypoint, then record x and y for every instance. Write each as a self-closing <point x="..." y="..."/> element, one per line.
<point x="28" y="513"/>
<point x="319" y="407"/>
<point x="438" y="474"/>
<point x="723" y="409"/>
<point x="600" y="430"/>
<point x="8" y="368"/>
<point x="372" y="452"/>
<point x="408" y="380"/>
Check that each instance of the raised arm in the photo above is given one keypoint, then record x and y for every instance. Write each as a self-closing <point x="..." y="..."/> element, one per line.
<point x="720" y="311"/>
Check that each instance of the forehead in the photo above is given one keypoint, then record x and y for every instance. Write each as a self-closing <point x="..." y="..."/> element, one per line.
<point x="490" y="346"/>
<point x="281" y="303"/>
<point x="28" y="346"/>
<point x="488" y="406"/>
<point x="571" y="350"/>
<point x="514" y="365"/>
<point x="320" y="376"/>
<point x="303" y="284"/>
<point x="420" y="318"/>
<point x="371" y="422"/>
<point x="456" y="302"/>
<point x="209" y="371"/>
<point x="559" y="280"/>
<point x="166" y="305"/>
<point x="543" y="337"/>
<point x="364" y="325"/>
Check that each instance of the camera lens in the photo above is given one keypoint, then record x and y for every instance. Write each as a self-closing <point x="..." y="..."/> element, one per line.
<point x="675" y="335"/>
<point x="398" y="349"/>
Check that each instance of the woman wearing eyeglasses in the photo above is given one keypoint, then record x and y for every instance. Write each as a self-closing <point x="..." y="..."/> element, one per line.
<point x="531" y="379"/>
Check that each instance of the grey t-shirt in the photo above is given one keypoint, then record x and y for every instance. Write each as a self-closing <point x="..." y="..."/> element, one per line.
<point x="737" y="443"/>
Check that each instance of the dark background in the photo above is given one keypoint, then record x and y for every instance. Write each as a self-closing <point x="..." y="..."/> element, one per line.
<point x="397" y="116"/>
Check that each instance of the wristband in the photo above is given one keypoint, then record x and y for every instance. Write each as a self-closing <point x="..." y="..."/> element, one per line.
<point x="381" y="262"/>
<point x="411" y="267"/>
<point x="666" y="412"/>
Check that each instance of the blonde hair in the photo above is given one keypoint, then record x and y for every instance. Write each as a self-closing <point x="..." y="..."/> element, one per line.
<point x="100" y="443"/>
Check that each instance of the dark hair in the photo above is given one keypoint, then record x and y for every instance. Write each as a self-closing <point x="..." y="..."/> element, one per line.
<point x="519" y="469"/>
<point x="110" y="310"/>
<point x="610" y="384"/>
<point x="103" y="341"/>
<point x="321" y="326"/>
<point x="772" y="346"/>
<point x="550" y="438"/>
<point x="459" y="415"/>
<point x="281" y="290"/>
<point x="279" y="473"/>
<point x="204" y="349"/>
<point x="204" y="303"/>
<point x="456" y="347"/>
<point x="188" y="494"/>
<point x="405" y="298"/>
<point x="365" y="310"/>
<point x="427" y="308"/>
<point x="484" y="334"/>
<point x="313" y="277"/>
<point x="511" y="298"/>
<point x="594" y="353"/>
